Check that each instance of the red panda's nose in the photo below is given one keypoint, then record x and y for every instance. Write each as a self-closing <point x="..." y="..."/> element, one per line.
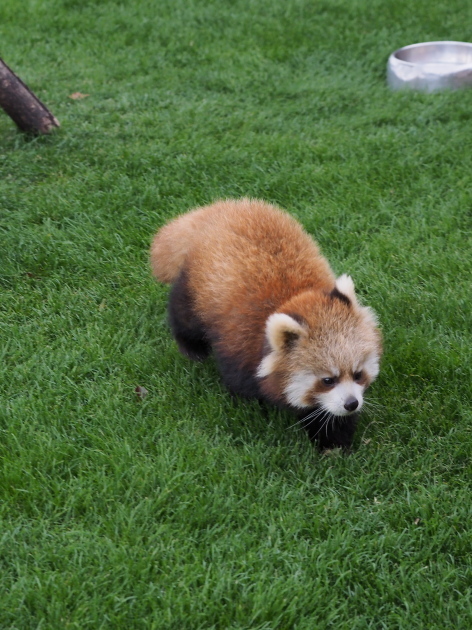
<point x="351" y="404"/>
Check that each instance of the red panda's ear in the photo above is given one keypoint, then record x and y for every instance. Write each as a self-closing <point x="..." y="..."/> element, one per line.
<point x="345" y="285"/>
<point x="283" y="330"/>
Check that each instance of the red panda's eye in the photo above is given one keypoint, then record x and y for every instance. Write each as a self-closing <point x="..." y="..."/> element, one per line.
<point x="358" y="375"/>
<point x="328" y="381"/>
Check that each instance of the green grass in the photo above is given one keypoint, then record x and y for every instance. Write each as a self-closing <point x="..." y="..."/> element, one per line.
<point x="187" y="510"/>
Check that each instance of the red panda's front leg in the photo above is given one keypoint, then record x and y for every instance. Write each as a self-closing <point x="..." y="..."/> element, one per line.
<point x="332" y="432"/>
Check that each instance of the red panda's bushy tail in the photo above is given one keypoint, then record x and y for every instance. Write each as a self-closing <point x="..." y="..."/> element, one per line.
<point x="171" y="244"/>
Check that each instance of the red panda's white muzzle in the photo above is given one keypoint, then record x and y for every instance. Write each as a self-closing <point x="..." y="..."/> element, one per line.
<point x="345" y="398"/>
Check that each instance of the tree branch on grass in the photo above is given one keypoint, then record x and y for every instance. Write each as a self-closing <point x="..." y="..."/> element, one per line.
<point x="25" y="109"/>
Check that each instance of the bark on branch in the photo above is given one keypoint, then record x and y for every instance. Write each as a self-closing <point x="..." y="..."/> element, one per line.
<point x="22" y="105"/>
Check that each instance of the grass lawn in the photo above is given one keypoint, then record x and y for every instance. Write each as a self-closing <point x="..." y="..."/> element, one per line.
<point x="186" y="510"/>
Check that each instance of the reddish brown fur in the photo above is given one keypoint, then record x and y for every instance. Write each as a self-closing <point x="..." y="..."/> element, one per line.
<point x="251" y="285"/>
<point x="244" y="259"/>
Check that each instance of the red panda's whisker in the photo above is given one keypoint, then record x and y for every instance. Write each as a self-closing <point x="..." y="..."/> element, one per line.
<point x="325" y="421"/>
<point x="373" y="407"/>
<point x="311" y="416"/>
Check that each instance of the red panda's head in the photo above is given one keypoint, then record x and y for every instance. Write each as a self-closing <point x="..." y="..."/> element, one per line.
<point x="323" y="350"/>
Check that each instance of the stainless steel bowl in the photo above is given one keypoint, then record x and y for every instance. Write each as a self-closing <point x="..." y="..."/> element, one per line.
<point x="431" y="66"/>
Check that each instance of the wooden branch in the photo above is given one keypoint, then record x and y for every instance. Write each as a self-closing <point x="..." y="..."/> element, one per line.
<point x="22" y="105"/>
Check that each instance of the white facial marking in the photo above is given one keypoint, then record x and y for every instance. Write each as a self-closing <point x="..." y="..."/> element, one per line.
<point x="333" y="401"/>
<point x="266" y="366"/>
<point x="299" y="385"/>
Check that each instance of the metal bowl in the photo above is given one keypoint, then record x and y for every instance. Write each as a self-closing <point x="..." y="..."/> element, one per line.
<point x="431" y="66"/>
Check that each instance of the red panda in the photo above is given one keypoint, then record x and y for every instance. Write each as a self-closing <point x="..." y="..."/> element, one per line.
<point x="251" y="286"/>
